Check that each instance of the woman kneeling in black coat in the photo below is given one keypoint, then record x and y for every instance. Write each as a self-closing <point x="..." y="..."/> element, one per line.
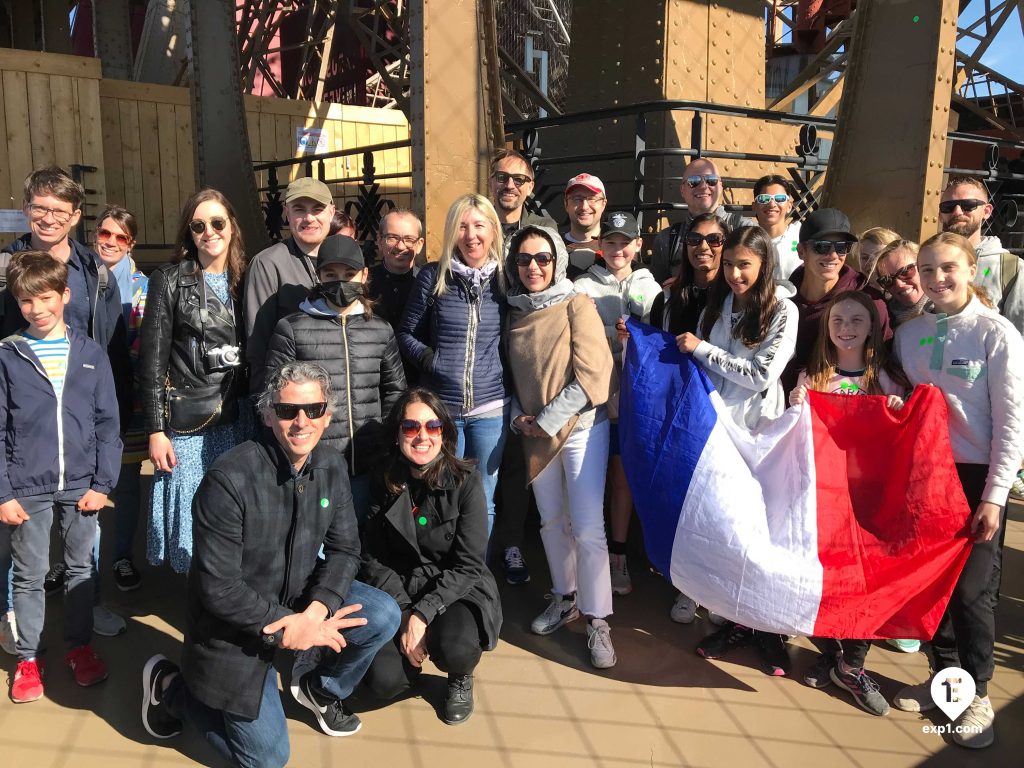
<point x="424" y="544"/>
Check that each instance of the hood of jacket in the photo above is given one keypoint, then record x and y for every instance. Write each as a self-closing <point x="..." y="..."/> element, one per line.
<point x="318" y="307"/>
<point x="560" y="288"/>
<point x="990" y="246"/>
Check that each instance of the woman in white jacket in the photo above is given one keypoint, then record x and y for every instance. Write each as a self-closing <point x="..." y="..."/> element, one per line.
<point x="747" y="335"/>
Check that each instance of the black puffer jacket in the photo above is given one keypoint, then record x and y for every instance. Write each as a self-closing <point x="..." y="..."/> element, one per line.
<point x="361" y="354"/>
<point x="173" y="338"/>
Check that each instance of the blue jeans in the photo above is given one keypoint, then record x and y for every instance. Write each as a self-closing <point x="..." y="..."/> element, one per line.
<point x="127" y="496"/>
<point x="483" y="438"/>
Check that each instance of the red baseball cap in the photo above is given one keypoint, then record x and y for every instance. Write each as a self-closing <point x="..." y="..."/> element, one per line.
<point x="587" y="181"/>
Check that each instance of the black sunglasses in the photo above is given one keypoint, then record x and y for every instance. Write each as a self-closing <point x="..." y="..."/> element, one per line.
<point x="198" y="226"/>
<point x="517" y="178"/>
<point x="903" y="273"/>
<point x="965" y="205"/>
<point x="714" y="240"/>
<point x="542" y="259"/>
<point x="825" y="247"/>
<point x="289" y="411"/>
<point x="411" y="427"/>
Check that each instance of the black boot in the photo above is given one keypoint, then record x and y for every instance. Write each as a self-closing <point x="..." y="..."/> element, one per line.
<point x="458" y="702"/>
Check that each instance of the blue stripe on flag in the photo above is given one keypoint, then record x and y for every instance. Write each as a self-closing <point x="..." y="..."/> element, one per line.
<point x="660" y="449"/>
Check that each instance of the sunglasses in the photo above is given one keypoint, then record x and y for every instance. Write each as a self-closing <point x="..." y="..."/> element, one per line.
<point x="764" y="199"/>
<point x="105" y="236"/>
<point x="411" y="427"/>
<point x="714" y="240"/>
<point x="198" y="226"/>
<point x="290" y="411"/>
<point x="965" y="205"/>
<point x="905" y="274"/>
<point x="825" y="247"/>
<point x="709" y="178"/>
<point x="517" y="178"/>
<point x="542" y="259"/>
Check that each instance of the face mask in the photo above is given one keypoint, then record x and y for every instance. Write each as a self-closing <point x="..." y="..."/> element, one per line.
<point x="341" y="293"/>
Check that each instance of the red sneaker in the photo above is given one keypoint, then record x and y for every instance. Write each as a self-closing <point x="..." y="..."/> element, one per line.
<point x="28" y="682"/>
<point x="87" y="668"/>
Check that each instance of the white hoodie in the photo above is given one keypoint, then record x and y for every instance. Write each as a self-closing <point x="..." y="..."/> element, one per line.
<point x="633" y="296"/>
<point x="990" y="277"/>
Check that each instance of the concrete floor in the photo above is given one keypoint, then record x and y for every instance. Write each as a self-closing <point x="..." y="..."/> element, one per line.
<point x="539" y="703"/>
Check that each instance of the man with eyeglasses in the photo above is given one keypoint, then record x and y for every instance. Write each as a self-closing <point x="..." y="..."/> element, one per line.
<point x="399" y="242"/>
<point x="702" y="191"/>
<point x="257" y="584"/>
<point x="511" y="184"/>
<point x="825" y="241"/>
<point x="280" y="277"/>
<point x="585" y="201"/>
<point x="773" y="206"/>
<point x="963" y="209"/>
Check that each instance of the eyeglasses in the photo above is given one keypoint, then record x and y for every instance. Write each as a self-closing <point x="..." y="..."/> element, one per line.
<point x="965" y="205"/>
<point x="709" y="178"/>
<point x="290" y="411"/>
<point x="542" y="259"/>
<point x="408" y="241"/>
<point x="825" y="247"/>
<point x="517" y="178"/>
<point x="38" y="213"/>
<point x="411" y="427"/>
<point x="579" y="200"/>
<point x="105" y="236"/>
<point x="903" y="274"/>
<point x="764" y="199"/>
<point x="714" y="240"/>
<point x="198" y="226"/>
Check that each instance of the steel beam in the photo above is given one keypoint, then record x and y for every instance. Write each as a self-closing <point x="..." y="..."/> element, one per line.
<point x="111" y="35"/>
<point x="901" y="64"/>
<point x="222" y="157"/>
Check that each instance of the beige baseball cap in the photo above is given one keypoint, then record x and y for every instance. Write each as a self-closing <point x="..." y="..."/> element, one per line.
<point x="309" y="187"/>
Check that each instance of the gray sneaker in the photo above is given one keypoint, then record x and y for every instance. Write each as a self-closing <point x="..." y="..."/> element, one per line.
<point x="599" y="641"/>
<point x="621" y="583"/>
<point x="975" y="728"/>
<point x="560" y="611"/>
<point x="684" y="610"/>
<point x="107" y="623"/>
<point x="915" y="698"/>
<point x="863" y="689"/>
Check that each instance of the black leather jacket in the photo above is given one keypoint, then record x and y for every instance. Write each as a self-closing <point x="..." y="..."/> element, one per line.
<point x="174" y="338"/>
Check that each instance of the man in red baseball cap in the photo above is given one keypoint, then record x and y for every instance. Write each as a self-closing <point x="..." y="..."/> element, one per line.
<point x="585" y="201"/>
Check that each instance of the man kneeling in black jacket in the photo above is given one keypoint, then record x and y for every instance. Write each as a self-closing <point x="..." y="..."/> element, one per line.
<point x="256" y="584"/>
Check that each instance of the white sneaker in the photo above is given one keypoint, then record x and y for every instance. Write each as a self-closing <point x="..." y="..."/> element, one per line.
<point x="621" y="583"/>
<point x="560" y="611"/>
<point x="599" y="641"/>
<point x="107" y="623"/>
<point x="684" y="610"/>
<point x="915" y="698"/>
<point x="8" y="633"/>
<point x="718" y="621"/>
<point x="975" y="728"/>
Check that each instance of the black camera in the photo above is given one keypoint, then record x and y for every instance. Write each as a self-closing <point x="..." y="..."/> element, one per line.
<point x="223" y="357"/>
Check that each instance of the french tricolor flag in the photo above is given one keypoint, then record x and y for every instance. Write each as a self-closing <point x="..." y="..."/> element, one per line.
<point x="839" y="519"/>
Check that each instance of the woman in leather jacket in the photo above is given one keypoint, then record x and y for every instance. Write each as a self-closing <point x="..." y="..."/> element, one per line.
<point x="191" y="373"/>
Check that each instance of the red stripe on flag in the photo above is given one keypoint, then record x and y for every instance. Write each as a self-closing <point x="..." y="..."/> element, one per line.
<point x="892" y="516"/>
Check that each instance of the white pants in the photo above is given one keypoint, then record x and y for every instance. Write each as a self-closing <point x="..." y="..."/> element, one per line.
<point x="570" y="498"/>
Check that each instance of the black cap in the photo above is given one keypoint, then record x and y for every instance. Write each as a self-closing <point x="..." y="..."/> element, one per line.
<point x="340" y="249"/>
<point x="826" y="221"/>
<point x="620" y="223"/>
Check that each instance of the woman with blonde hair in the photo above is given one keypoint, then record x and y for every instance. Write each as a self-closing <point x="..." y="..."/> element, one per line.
<point x="868" y="248"/>
<point x="451" y="331"/>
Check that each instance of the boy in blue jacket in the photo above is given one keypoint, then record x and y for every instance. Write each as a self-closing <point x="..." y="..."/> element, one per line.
<point x="60" y="447"/>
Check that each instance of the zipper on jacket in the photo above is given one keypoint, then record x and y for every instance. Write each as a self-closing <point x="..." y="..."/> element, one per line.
<point x="60" y="408"/>
<point x="470" y="358"/>
<point x="348" y="401"/>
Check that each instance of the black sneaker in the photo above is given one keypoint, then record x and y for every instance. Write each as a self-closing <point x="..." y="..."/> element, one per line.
<point x="158" y="722"/>
<point x="126" y="576"/>
<point x="54" y="581"/>
<point x="331" y="714"/>
<point x="771" y="647"/>
<point x="516" y="571"/>
<point x="863" y="689"/>
<point x="723" y="640"/>
<point x="458" y="702"/>
<point x="818" y="675"/>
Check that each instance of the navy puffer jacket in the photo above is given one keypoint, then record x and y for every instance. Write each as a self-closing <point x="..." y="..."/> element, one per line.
<point x="454" y="339"/>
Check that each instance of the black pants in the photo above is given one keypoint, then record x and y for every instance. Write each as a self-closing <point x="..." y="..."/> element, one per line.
<point x="513" y="497"/>
<point x="854" y="651"/>
<point x="453" y="642"/>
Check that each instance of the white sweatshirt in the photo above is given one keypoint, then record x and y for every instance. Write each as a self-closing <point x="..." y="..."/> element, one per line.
<point x="976" y="358"/>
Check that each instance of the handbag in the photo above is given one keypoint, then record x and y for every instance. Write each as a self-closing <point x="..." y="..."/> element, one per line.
<point x="191" y="410"/>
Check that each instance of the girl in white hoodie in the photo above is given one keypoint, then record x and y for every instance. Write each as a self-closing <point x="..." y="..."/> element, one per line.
<point x="976" y="357"/>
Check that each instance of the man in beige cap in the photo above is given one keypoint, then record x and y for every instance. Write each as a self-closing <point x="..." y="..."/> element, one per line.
<point x="280" y="277"/>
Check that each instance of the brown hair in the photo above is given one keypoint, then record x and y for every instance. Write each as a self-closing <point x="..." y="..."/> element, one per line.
<point x="186" y="247"/>
<point x="32" y="273"/>
<point x="124" y="218"/>
<point x="753" y="326"/>
<point x="340" y="221"/>
<point x="505" y="154"/>
<point x="962" y="180"/>
<point x="682" y="289"/>
<point x="896" y="245"/>
<point x="55" y="181"/>
<point x="824" y="357"/>
<point x="962" y="244"/>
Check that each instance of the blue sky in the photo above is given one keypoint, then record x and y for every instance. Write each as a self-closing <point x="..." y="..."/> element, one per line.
<point x="1006" y="55"/>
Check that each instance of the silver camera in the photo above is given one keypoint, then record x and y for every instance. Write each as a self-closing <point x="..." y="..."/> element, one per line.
<point x="223" y="357"/>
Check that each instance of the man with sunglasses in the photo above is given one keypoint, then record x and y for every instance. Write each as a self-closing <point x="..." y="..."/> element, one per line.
<point x="773" y="206"/>
<point x="280" y="277"/>
<point x="257" y="584"/>
<point x="511" y="184"/>
<point x="825" y="241"/>
<point x="702" y="191"/>
<point x="963" y="209"/>
<point x="585" y="201"/>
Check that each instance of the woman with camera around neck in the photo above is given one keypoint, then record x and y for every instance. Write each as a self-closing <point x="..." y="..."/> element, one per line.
<point x="191" y="376"/>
